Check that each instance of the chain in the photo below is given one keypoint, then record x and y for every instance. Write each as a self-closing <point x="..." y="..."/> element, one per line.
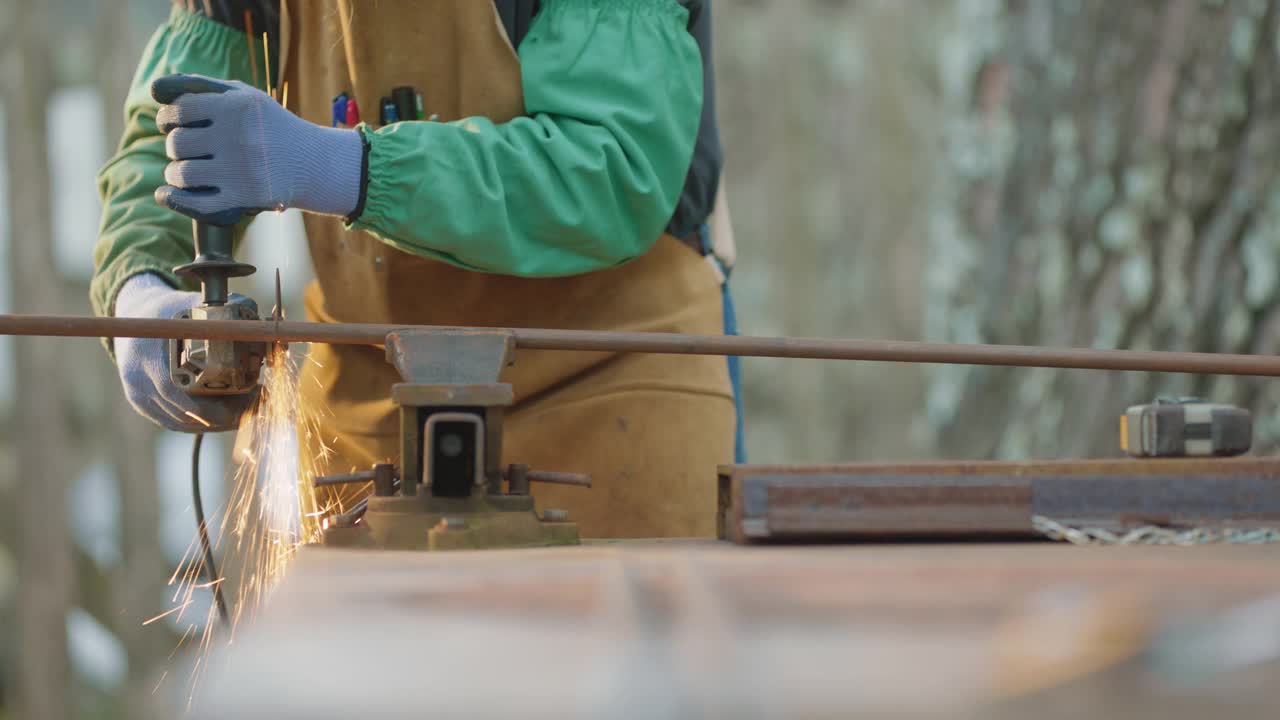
<point x="1153" y="535"/>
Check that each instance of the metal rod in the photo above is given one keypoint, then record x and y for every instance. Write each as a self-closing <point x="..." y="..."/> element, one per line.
<point x="559" y="478"/>
<point x="358" y="510"/>
<point x="354" y="514"/>
<point x="346" y="479"/>
<point x="663" y="343"/>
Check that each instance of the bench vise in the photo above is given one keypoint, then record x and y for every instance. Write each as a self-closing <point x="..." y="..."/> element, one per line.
<point x="447" y="490"/>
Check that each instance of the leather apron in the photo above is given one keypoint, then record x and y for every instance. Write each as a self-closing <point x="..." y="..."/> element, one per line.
<point x="650" y="429"/>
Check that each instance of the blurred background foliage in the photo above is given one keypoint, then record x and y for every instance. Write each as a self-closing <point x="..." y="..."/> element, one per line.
<point x="1064" y="172"/>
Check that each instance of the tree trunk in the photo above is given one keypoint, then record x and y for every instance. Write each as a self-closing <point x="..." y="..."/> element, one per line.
<point x="1115" y="184"/>
<point x="138" y="587"/>
<point x="827" y="111"/>
<point x="44" y="553"/>
<point x="116" y="58"/>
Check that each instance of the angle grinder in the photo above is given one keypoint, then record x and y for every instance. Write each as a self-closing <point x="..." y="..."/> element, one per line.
<point x="216" y="367"/>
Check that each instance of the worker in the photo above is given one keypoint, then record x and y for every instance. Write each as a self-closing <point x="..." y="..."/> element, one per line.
<point x="559" y="173"/>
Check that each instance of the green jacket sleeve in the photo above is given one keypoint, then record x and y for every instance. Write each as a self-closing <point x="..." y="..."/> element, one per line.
<point x="586" y="181"/>
<point x="137" y="235"/>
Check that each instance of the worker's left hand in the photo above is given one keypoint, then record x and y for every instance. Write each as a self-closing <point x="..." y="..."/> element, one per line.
<point x="144" y="363"/>
<point x="235" y="151"/>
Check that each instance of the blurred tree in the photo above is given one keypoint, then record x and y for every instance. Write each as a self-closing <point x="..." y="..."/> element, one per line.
<point x="40" y="665"/>
<point x="829" y="112"/>
<point x="137" y="586"/>
<point x="1116" y="183"/>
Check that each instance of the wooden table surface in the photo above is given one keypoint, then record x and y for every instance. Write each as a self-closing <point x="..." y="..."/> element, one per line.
<point x="676" y="629"/>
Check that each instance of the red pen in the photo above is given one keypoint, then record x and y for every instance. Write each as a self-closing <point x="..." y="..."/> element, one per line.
<point x="353" y="113"/>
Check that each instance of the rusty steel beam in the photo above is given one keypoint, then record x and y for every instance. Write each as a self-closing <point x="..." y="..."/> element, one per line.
<point x="993" y="499"/>
<point x="665" y="343"/>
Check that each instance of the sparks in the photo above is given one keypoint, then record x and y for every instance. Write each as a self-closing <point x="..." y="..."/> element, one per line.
<point x="166" y="613"/>
<point x="160" y="682"/>
<point x="271" y="511"/>
<point x="181" y="641"/>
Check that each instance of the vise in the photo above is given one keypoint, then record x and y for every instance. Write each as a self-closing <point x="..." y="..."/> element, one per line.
<point x="446" y="492"/>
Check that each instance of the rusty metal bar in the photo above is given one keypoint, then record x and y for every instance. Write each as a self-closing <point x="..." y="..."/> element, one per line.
<point x="994" y="499"/>
<point x="239" y="330"/>
<point x="664" y="343"/>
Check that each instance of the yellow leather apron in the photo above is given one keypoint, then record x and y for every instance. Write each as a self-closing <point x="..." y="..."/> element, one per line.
<point x="650" y="429"/>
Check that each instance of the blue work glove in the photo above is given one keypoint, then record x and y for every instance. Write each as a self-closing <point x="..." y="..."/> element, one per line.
<point x="237" y="151"/>
<point x="144" y="363"/>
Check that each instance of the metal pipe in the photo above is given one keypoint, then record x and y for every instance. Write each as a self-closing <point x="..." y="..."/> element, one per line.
<point x="663" y="343"/>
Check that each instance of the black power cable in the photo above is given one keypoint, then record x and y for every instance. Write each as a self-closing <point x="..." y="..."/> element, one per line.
<point x="210" y="567"/>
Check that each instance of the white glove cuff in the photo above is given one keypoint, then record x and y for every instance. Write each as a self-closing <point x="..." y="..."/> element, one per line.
<point x="135" y="296"/>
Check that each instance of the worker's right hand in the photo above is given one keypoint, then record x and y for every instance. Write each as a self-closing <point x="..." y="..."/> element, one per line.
<point x="144" y="364"/>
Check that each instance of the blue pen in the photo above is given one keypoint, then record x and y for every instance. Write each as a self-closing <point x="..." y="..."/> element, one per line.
<point x="340" y="110"/>
<point x="390" y="115"/>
